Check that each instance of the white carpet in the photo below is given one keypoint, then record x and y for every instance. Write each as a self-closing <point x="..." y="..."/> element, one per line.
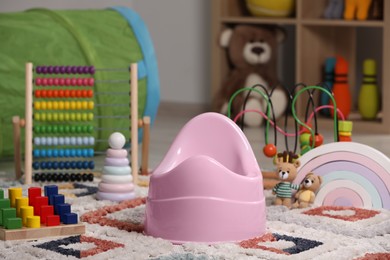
<point x="291" y="234"/>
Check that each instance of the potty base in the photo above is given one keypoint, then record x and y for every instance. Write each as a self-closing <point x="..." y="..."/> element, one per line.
<point x="205" y="220"/>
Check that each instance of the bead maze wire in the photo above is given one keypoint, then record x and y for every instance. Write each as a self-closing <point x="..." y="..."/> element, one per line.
<point x="305" y="125"/>
<point x="72" y="131"/>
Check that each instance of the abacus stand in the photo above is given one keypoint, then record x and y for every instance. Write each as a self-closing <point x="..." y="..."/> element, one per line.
<point x="42" y="232"/>
<point x="29" y="126"/>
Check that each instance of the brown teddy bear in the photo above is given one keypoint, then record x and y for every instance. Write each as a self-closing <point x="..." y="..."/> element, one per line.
<point x="306" y="194"/>
<point x="252" y="53"/>
<point x="287" y="164"/>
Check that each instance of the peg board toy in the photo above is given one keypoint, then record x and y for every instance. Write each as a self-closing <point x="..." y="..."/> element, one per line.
<point x="63" y="120"/>
<point x="36" y="216"/>
<point x="353" y="175"/>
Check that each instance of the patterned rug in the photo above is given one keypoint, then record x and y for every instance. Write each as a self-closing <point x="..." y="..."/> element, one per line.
<point x="114" y="231"/>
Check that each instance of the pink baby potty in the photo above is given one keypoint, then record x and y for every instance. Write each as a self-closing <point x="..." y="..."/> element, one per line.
<point x="208" y="188"/>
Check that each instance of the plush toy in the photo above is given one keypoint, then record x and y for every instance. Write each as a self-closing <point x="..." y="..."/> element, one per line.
<point x="307" y="192"/>
<point x="358" y="8"/>
<point x="287" y="164"/>
<point x="334" y="9"/>
<point x="252" y="52"/>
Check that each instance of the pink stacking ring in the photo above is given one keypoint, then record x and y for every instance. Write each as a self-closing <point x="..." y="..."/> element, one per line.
<point x="116" y="162"/>
<point x="115" y="196"/>
<point x="113" y="153"/>
<point x="116" y="188"/>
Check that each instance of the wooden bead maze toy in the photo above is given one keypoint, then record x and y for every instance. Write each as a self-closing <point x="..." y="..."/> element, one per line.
<point x="307" y="135"/>
<point x="67" y="120"/>
<point x="353" y="174"/>
<point x="36" y="215"/>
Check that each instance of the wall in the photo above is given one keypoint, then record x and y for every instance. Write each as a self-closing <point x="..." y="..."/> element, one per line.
<point x="181" y="32"/>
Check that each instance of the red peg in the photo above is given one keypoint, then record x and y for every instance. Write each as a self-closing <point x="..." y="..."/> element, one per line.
<point x="43" y="93"/>
<point x="61" y="82"/>
<point x="55" y="93"/>
<point x="78" y="93"/>
<point x="270" y="150"/>
<point x="66" y="93"/>
<point x="73" y="93"/>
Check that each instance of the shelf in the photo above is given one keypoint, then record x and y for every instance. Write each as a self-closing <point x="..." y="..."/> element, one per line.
<point x="312" y="39"/>
<point x="306" y="22"/>
<point x="255" y="20"/>
<point x="343" y="23"/>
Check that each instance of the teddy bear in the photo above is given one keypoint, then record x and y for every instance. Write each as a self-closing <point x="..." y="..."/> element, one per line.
<point x="287" y="164"/>
<point x="307" y="192"/>
<point x="252" y="54"/>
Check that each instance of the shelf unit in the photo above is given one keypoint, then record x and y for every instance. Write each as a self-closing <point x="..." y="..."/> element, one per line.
<point x="315" y="39"/>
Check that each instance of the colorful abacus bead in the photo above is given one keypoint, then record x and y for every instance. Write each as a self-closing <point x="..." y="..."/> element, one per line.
<point x="38" y="81"/>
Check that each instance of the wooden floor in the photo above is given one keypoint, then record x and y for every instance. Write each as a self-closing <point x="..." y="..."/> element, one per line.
<point x="172" y="117"/>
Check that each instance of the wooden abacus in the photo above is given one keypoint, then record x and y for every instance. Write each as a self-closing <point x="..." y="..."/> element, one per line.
<point x="80" y="88"/>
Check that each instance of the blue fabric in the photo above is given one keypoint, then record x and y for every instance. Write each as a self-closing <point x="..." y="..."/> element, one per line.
<point x="147" y="67"/>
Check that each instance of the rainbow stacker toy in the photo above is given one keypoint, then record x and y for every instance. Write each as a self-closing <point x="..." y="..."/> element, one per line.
<point x="36" y="216"/>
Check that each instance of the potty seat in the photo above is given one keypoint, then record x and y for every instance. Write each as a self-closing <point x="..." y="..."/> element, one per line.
<point x="209" y="186"/>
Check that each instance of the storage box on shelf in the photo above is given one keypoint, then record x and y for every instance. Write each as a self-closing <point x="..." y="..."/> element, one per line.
<point x="317" y="38"/>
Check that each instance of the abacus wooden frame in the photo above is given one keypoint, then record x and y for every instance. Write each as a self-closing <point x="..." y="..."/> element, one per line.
<point x="28" y="124"/>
